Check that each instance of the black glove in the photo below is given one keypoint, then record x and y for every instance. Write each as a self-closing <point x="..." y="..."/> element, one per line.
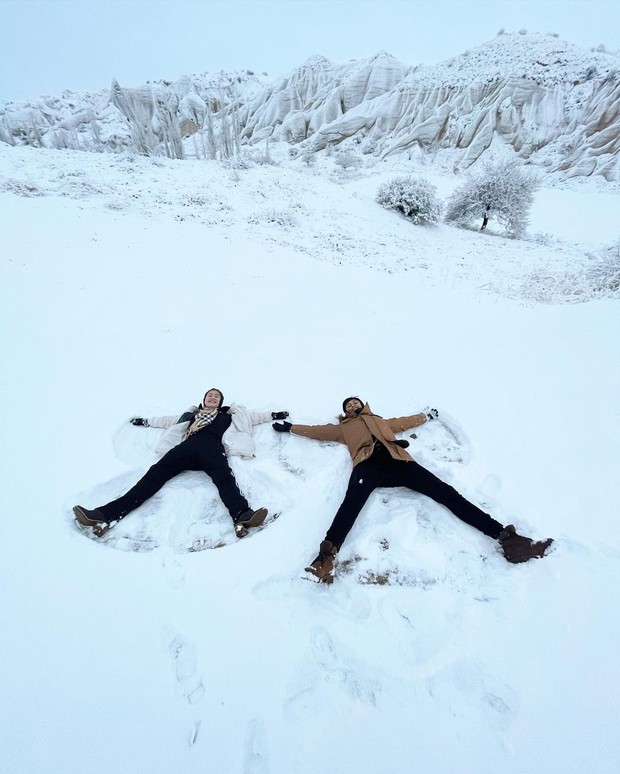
<point x="431" y="413"/>
<point x="279" y="414"/>
<point x="139" y="421"/>
<point x="402" y="443"/>
<point x="282" y="427"/>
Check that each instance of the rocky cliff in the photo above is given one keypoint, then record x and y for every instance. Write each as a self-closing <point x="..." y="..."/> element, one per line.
<point x="556" y="105"/>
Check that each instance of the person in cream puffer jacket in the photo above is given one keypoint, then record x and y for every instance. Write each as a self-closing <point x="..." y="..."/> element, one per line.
<point x="238" y="439"/>
<point x="199" y="440"/>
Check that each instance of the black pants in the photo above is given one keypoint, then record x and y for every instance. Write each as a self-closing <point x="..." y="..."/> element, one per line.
<point x="382" y="470"/>
<point x="198" y="452"/>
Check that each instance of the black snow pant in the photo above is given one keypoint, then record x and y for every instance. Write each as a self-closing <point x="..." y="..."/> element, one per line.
<point x="198" y="452"/>
<point x="382" y="470"/>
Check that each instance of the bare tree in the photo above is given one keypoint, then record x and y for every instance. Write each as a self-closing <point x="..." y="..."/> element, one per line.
<point x="502" y="190"/>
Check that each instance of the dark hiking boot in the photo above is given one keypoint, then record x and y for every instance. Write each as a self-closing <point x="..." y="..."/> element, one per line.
<point x="93" y="519"/>
<point x="245" y="520"/>
<point x="323" y="566"/>
<point x="519" y="549"/>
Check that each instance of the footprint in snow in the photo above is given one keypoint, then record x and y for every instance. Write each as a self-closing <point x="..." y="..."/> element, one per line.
<point x="323" y="649"/>
<point x="185" y="667"/>
<point x="173" y="569"/>
<point x="338" y="667"/>
<point x="464" y="689"/>
<point x="256" y="758"/>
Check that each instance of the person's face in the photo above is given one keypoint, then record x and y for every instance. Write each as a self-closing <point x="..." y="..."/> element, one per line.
<point x="352" y="406"/>
<point x="212" y="399"/>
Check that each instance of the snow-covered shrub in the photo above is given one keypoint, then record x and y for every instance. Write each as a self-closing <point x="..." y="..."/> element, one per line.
<point x="604" y="272"/>
<point x="502" y="190"/>
<point x="598" y="278"/>
<point x="415" y="197"/>
<point x="284" y="218"/>
<point x="195" y="200"/>
<point x="265" y="156"/>
<point x="20" y="188"/>
<point x="368" y="145"/>
<point x="346" y="159"/>
<point x="246" y="161"/>
<point x="115" y="204"/>
<point x="541" y="238"/>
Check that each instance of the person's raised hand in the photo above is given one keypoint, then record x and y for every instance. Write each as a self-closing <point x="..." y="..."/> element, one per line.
<point x="282" y="427"/>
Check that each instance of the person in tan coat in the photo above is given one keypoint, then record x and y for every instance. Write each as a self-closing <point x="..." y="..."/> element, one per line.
<point x="381" y="460"/>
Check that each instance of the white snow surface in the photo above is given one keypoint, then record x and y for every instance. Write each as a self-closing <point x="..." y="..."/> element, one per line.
<point x="129" y="287"/>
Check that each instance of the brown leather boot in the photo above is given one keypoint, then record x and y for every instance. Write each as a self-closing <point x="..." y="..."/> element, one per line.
<point x="93" y="519"/>
<point x="323" y="566"/>
<point x="519" y="549"/>
<point x="246" y="519"/>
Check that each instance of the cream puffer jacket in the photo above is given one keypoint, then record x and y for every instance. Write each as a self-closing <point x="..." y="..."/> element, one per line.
<point x="238" y="440"/>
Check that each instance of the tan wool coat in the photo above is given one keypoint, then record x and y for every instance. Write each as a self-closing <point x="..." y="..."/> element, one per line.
<point x="359" y="433"/>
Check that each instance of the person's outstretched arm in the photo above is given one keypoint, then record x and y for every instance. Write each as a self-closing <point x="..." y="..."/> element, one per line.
<point x="258" y="417"/>
<point x="317" y="432"/>
<point x="163" y="422"/>
<point x="400" y="424"/>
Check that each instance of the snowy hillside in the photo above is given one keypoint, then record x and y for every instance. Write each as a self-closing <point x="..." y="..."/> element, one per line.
<point x="556" y="105"/>
<point x="132" y="284"/>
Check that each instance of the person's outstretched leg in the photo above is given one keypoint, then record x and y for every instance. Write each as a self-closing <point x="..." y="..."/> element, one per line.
<point x="362" y="483"/>
<point x="516" y="548"/>
<point x="99" y="519"/>
<point x="414" y="476"/>
<point x="215" y="464"/>
<point x="364" y="479"/>
<point x="169" y="466"/>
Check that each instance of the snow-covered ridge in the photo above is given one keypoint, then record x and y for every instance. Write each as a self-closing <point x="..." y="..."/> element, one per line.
<point x="554" y="104"/>
<point x="543" y="58"/>
<point x="93" y="122"/>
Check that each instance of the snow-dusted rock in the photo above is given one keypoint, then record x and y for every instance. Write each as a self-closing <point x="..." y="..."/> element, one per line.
<point x="533" y="91"/>
<point x="554" y="104"/>
<point x="318" y="93"/>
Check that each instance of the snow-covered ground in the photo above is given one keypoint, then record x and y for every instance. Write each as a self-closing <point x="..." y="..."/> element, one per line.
<point x="132" y="285"/>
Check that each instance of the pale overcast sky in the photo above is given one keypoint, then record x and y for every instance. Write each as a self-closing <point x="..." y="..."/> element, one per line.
<point x="47" y="46"/>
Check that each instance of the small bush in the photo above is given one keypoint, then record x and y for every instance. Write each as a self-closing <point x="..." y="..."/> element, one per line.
<point x="346" y="159"/>
<point x="604" y="272"/>
<point x="284" y="218"/>
<point x="598" y="278"/>
<point x="414" y="197"/>
<point x="20" y="188"/>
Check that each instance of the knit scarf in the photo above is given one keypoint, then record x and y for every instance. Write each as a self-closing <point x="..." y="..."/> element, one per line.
<point x="203" y="418"/>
